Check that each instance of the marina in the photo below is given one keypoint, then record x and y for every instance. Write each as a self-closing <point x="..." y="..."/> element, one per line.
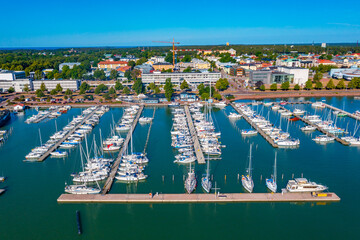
<point x="199" y="198"/>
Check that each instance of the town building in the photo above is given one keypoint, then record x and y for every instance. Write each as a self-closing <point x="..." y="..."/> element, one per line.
<point x="193" y="79"/>
<point x="70" y="65"/>
<point x="73" y="85"/>
<point x="122" y="70"/>
<point x="15" y="79"/>
<point x="237" y="71"/>
<point x="345" y="73"/>
<point x="301" y="75"/>
<point x="158" y="59"/>
<point x="109" y="65"/>
<point x="270" y="77"/>
<point x="162" y="66"/>
<point x="325" y="62"/>
<point x="144" y="68"/>
<point x="8" y="75"/>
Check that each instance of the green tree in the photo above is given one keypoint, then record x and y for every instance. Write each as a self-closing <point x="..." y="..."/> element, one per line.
<point x="112" y="90"/>
<point x="330" y="85"/>
<point x="58" y="88"/>
<point x="341" y="84"/>
<point x="205" y="96"/>
<point x="126" y="90"/>
<point x="26" y="88"/>
<point x="84" y="86"/>
<point x="169" y="57"/>
<point x="107" y="96"/>
<point x="318" y="85"/>
<point x="285" y="86"/>
<point x="184" y="85"/>
<point x="222" y="84"/>
<point x="152" y="86"/>
<point x="43" y="87"/>
<point x="100" y="88"/>
<point x="131" y="64"/>
<point x="297" y="87"/>
<point x="38" y="74"/>
<point x="11" y="90"/>
<point x="99" y="74"/>
<point x="262" y="87"/>
<point x="187" y="70"/>
<point x="118" y="86"/>
<point x="157" y="90"/>
<point x="138" y="86"/>
<point x="217" y="96"/>
<point x="113" y="74"/>
<point x="168" y="89"/>
<point x="39" y="93"/>
<point x="187" y="58"/>
<point x="68" y="92"/>
<point x="317" y="77"/>
<point x="308" y="85"/>
<point x="201" y="88"/>
<point x="273" y="87"/>
<point x="53" y="92"/>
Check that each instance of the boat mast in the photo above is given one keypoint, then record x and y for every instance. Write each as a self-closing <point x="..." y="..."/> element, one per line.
<point x="275" y="167"/>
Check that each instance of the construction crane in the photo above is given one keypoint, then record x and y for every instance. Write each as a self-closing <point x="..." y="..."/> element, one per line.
<point x="174" y="49"/>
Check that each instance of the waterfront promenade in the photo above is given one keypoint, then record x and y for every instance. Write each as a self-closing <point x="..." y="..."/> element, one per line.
<point x="198" y="198"/>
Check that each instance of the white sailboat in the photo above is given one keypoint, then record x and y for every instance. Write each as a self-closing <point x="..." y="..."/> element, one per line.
<point x="205" y="181"/>
<point x="271" y="182"/>
<point x="247" y="181"/>
<point x="190" y="182"/>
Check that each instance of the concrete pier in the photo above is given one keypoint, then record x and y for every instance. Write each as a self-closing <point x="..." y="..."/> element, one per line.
<point x="198" y="198"/>
<point x="342" y="111"/>
<point x="198" y="151"/>
<point x="46" y="154"/>
<point x="262" y="133"/>
<point x="117" y="162"/>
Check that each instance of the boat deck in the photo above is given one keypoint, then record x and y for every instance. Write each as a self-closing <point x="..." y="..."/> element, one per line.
<point x="117" y="162"/>
<point x="198" y="198"/>
<point x="198" y="151"/>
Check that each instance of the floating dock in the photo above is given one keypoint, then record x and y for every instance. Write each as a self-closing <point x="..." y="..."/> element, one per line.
<point x="342" y="111"/>
<point x="262" y="133"/>
<point x="320" y="129"/>
<point x="198" y="198"/>
<point x="198" y="151"/>
<point x="115" y="166"/>
<point x="47" y="153"/>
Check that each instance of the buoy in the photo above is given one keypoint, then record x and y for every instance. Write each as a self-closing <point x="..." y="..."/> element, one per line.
<point x="78" y="220"/>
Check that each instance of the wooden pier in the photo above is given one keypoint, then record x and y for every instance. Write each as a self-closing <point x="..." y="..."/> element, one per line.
<point x="319" y="129"/>
<point x="53" y="148"/>
<point x="342" y="111"/>
<point x="262" y="133"/>
<point x="198" y="198"/>
<point x="115" y="166"/>
<point x="198" y="151"/>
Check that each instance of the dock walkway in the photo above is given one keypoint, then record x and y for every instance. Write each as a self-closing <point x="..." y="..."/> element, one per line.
<point x="117" y="162"/>
<point x="198" y="151"/>
<point x="320" y="129"/>
<point x="47" y="153"/>
<point x="198" y="198"/>
<point x="342" y="111"/>
<point x="262" y="133"/>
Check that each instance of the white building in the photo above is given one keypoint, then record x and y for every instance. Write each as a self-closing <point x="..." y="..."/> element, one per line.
<point x="18" y="85"/>
<point x="51" y="84"/>
<point x="158" y="59"/>
<point x="193" y="79"/>
<point x="301" y="75"/>
<point x="7" y="75"/>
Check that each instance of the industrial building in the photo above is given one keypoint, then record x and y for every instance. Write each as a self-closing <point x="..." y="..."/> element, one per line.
<point x="193" y="79"/>
<point x="345" y="73"/>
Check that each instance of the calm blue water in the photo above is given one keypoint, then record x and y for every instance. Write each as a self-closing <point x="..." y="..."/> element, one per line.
<point x="29" y="209"/>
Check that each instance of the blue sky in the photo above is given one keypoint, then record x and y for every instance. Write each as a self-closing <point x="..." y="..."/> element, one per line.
<point x="137" y="23"/>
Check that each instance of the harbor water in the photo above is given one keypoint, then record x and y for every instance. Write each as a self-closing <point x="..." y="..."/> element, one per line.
<point x="29" y="209"/>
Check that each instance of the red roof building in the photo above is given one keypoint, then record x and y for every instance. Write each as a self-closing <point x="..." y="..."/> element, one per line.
<point x="112" y="64"/>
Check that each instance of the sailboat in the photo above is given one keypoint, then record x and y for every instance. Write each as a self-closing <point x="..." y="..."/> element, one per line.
<point x="205" y="181"/>
<point x="82" y="188"/>
<point x="271" y="183"/>
<point x="190" y="182"/>
<point x="247" y="181"/>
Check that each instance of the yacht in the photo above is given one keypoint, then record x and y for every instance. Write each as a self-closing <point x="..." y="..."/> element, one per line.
<point x="81" y="189"/>
<point x="323" y="139"/>
<point x="303" y="185"/>
<point x="271" y="182"/>
<point x="59" y="154"/>
<point x="220" y="104"/>
<point x="275" y="107"/>
<point x="205" y="180"/>
<point x="318" y="105"/>
<point x="248" y="132"/>
<point x="190" y="182"/>
<point x="299" y="111"/>
<point x="144" y="120"/>
<point x="247" y="181"/>
<point x="234" y="115"/>
<point x="308" y="128"/>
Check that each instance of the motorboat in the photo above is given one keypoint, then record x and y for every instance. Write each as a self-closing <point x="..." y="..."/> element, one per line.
<point x="318" y="105"/>
<point x="308" y="128"/>
<point x="59" y="154"/>
<point x="234" y="116"/>
<point x="220" y="104"/>
<point x="144" y="120"/>
<point x="303" y="185"/>
<point x="248" y="132"/>
<point x="298" y="111"/>
<point x="81" y="189"/>
<point x="323" y="139"/>
<point x="190" y="182"/>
